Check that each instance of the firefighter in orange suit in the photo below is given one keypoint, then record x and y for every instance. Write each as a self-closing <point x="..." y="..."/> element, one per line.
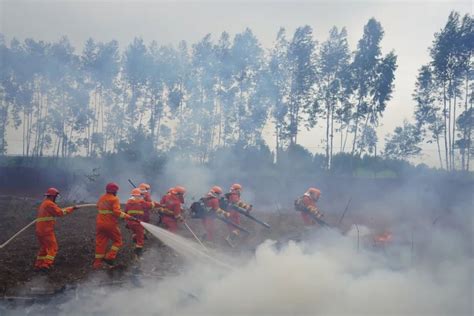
<point x="107" y="228"/>
<point x="45" y="220"/>
<point x="307" y="206"/>
<point x="171" y="212"/>
<point x="211" y="202"/>
<point x="233" y="200"/>
<point x="137" y="207"/>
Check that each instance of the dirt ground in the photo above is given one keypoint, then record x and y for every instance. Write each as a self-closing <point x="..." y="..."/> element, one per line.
<point x="76" y="237"/>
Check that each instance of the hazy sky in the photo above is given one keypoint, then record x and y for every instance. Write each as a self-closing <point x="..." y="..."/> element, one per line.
<point x="409" y="27"/>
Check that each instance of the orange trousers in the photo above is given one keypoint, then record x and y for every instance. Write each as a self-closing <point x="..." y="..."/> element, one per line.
<point x="138" y="233"/>
<point x="170" y="223"/>
<point x="48" y="250"/>
<point x="235" y="218"/>
<point x="104" y="233"/>
<point x="208" y="223"/>
<point x="307" y="219"/>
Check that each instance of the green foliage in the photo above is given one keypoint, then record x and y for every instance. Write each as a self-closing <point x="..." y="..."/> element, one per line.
<point x="404" y="143"/>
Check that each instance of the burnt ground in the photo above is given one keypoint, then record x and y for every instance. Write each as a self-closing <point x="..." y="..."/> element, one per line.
<point x="76" y="238"/>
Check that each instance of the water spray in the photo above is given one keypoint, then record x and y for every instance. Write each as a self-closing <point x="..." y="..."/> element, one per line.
<point x="182" y="245"/>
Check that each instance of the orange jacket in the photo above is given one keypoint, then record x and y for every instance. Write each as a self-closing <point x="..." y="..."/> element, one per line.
<point x="47" y="212"/>
<point x="234" y="198"/>
<point x="172" y="203"/>
<point x="138" y="208"/>
<point x="108" y="208"/>
<point x="310" y="204"/>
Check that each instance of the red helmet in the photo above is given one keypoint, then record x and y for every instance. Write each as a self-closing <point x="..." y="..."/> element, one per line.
<point x="217" y="190"/>
<point x="136" y="192"/>
<point x="52" y="192"/>
<point x="179" y="190"/>
<point x="236" y="187"/>
<point x="144" y="187"/>
<point x="111" y="187"/>
<point x="314" y="193"/>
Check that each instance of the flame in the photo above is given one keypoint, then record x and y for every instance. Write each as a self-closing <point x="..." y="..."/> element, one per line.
<point x="383" y="238"/>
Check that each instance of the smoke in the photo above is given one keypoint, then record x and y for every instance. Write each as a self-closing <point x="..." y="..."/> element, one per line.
<point x="326" y="276"/>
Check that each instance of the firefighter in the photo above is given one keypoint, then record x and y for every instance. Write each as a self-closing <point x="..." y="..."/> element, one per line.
<point x="107" y="228"/>
<point x="307" y="206"/>
<point x="211" y="203"/>
<point x="45" y="220"/>
<point x="171" y="212"/>
<point x="137" y="207"/>
<point x="145" y="190"/>
<point x="233" y="201"/>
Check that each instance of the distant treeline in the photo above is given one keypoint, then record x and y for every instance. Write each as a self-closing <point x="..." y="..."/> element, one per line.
<point x="196" y="99"/>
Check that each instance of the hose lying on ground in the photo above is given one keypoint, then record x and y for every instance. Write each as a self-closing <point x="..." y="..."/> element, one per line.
<point x="34" y="221"/>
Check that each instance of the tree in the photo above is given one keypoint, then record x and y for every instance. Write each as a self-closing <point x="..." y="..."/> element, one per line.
<point x="368" y="141"/>
<point x="301" y="64"/>
<point x="403" y="143"/>
<point x="332" y="65"/>
<point x="428" y="114"/>
<point x="465" y="122"/>
<point x="247" y="61"/>
<point x="279" y="73"/>
<point x="372" y="78"/>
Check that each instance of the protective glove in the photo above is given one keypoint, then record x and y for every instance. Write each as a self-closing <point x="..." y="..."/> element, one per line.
<point x="179" y="218"/>
<point x="135" y="219"/>
<point x="74" y="207"/>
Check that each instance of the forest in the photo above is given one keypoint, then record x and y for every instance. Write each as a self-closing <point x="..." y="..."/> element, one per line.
<point x="196" y="100"/>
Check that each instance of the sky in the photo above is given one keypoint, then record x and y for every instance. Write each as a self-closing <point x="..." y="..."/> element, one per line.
<point x="409" y="28"/>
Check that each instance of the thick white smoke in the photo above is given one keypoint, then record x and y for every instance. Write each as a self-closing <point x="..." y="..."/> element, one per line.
<point x="327" y="276"/>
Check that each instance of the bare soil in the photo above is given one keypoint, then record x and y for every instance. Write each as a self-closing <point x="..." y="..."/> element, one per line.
<point x="76" y="238"/>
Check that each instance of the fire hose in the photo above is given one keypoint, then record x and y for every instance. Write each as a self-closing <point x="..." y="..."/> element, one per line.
<point x="34" y="221"/>
<point x="318" y="220"/>
<point x="246" y="214"/>
<point x="195" y="237"/>
<point x="231" y="223"/>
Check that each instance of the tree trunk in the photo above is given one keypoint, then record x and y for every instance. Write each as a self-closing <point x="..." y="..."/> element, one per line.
<point x="453" y="162"/>
<point x="439" y="152"/>
<point x="464" y="132"/>
<point x="327" y="133"/>
<point x="277" y="140"/>
<point x="445" y="113"/>
<point x="356" y="127"/>
<point x="469" y="138"/>
<point x="332" y="138"/>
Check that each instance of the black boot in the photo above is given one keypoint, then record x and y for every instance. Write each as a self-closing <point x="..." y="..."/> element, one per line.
<point x="138" y="252"/>
<point x="109" y="262"/>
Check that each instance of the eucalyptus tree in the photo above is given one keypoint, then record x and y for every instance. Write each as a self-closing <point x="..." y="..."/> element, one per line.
<point x="100" y="63"/>
<point x="278" y="68"/>
<point x="372" y="77"/>
<point x="301" y="57"/>
<point x="332" y="64"/>
<point x="428" y="114"/>
<point x="403" y="143"/>
<point x="247" y="63"/>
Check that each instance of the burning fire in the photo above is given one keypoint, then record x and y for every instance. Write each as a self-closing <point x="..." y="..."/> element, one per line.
<point x="383" y="238"/>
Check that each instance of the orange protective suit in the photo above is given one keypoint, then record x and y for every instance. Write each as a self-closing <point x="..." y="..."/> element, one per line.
<point x="45" y="221"/>
<point x="233" y="198"/>
<point x="137" y="209"/>
<point x="310" y="206"/>
<point x="107" y="228"/>
<point x="212" y="204"/>
<point x="172" y="203"/>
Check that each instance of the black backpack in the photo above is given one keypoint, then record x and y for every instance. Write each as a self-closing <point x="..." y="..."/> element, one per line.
<point x="299" y="205"/>
<point x="198" y="210"/>
<point x="224" y="201"/>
